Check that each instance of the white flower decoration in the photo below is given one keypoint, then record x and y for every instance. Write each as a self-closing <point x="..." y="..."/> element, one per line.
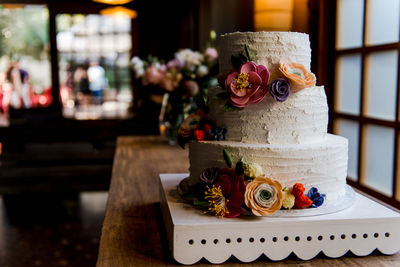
<point x="252" y="170"/>
<point x="138" y="67"/>
<point x="189" y="57"/>
<point x="202" y="71"/>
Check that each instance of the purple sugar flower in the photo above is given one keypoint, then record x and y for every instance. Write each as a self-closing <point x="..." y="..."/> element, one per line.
<point x="209" y="175"/>
<point x="279" y="89"/>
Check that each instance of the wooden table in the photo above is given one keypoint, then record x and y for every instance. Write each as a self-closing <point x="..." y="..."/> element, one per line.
<point x="133" y="232"/>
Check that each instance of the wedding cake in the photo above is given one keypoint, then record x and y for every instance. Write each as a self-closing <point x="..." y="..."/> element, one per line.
<point x="263" y="145"/>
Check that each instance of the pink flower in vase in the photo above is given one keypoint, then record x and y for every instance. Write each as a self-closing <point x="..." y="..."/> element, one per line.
<point x="211" y="53"/>
<point x="152" y="76"/>
<point x="175" y="64"/>
<point x="249" y="85"/>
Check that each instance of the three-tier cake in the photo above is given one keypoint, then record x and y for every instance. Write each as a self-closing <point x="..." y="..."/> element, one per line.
<point x="263" y="142"/>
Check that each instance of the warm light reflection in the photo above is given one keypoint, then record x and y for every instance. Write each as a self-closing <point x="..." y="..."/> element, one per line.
<point x="273" y="15"/>
<point x="119" y="11"/>
<point x="113" y="2"/>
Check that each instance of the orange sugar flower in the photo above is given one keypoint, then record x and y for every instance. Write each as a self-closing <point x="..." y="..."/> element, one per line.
<point x="263" y="196"/>
<point x="298" y="76"/>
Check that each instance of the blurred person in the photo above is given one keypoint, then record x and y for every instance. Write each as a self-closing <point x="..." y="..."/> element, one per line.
<point x="81" y="85"/>
<point x="25" y="88"/>
<point x="13" y="76"/>
<point x="81" y="80"/>
<point x="2" y="80"/>
<point x="19" y="81"/>
<point x="97" y="81"/>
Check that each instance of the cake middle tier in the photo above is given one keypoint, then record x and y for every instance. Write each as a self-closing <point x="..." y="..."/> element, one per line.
<point x="321" y="164"/>
<point x="301" y="119"/>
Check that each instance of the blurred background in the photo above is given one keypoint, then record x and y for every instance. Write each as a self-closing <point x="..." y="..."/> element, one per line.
<point x="75" y="75"/>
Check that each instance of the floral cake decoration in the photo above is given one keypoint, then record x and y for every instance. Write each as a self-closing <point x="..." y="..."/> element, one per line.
<point x="243" y="189"/>
<point x="197" y="127"/>
<point x="248" y="83"/>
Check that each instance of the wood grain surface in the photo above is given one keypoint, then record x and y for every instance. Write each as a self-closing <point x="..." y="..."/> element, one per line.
<point x="133" y="232"/>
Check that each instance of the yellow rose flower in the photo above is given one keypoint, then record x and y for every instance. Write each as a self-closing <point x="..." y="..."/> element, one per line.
<point x="288" y="199"/>
<point x="253" y="170"/>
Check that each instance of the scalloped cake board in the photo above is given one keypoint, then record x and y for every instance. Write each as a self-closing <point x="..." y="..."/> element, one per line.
<point x="361" y="228"/>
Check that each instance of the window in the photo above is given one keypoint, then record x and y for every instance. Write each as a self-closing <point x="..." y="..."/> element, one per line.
<point x="25" y="68"/>
<point x="366" y="100"/>
<point x="100" y="47"/>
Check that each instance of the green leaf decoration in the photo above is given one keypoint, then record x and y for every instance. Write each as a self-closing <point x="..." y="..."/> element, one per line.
<point x="222" y="96"/>
<point x="236" y="62"/>
<point x="243" y="58"/>
<point x="246" y="48"/>
<point x="239" y="169"/>
<point x="229" y="107"/>
<point x="227" y="158"/>
<point x="198" y="202"/>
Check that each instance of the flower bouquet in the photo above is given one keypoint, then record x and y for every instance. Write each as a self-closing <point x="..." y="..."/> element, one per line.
<point x="182" y="83"/>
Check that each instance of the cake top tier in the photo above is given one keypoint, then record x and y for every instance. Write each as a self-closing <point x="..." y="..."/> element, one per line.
<point x="266" y="48"/>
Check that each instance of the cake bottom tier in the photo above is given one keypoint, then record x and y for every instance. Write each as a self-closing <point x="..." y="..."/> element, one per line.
<point x="322" y="165"/>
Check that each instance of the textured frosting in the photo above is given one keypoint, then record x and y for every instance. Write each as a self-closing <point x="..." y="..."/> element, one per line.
<point x="266" y="48"/>
<point x="320" y="164"/>
<point x="302" y="118"/>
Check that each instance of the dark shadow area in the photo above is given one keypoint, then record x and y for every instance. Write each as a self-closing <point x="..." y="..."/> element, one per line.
<point x="51" y="229"/>
<point x="45" y="209"/>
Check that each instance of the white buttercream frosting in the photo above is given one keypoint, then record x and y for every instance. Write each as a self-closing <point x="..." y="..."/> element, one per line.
<point x="287" y="139"/>
<point x="320" y="164"/>
<point x="302" y="118"/>
<point x="266" y="48"/>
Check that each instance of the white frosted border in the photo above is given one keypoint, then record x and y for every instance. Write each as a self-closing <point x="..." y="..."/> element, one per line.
<point x="379" y="229"/>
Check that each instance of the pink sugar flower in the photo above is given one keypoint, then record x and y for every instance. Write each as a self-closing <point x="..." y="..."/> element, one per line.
<point x="249" y="85"/>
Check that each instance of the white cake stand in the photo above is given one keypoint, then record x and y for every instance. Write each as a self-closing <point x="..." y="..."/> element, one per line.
<point x="361" y="228"/>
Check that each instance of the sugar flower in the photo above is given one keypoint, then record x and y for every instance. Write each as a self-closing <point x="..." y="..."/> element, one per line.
<point x="301" y="201"/>
<point x="316" y="197"/>
<point x="189" y="124"/>
<point x="279" y="89"/>
<point x="298" y="189"/>
<point x="252" y="170"/>
<point x="217" y="201"/>
<point x="199" y="134"/>
<point x="288" y="199"/>
<point x="227" y="194"/>
<point x="263" y="196"/>
<point x="217" y="133"/>
<point x="298" y="76"/>
<point x="209" y="175"/>
<point x="247" y="86"/>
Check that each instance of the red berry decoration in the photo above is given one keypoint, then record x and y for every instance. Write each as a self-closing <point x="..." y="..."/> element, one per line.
<point x="199" y="135"/>
<point x="302" y="202"/>
<point x="298" y="190"/>
<point x="207" y="128"/>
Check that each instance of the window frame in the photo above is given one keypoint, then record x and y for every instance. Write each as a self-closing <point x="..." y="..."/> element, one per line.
<point x="74" y="7"/>
<point x="328" y="13"/>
